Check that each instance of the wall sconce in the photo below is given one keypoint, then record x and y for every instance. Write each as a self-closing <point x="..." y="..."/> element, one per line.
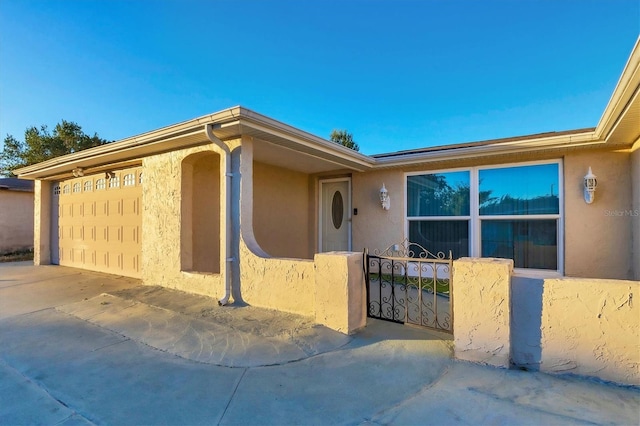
<point x="109" y="175"/>
<point x="385" y="200"/>
<point x="590" y="184"/>
<point x="79" y="172"/>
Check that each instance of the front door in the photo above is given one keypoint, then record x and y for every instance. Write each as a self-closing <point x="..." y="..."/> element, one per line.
<point x="335" y="215"/>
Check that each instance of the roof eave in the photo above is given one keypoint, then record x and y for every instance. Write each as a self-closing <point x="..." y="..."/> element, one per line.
<point x="488" y="150"/>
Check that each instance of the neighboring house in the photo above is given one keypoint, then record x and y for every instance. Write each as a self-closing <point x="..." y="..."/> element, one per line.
<point x="237" y="200"/>
<point x="16" y="215"/>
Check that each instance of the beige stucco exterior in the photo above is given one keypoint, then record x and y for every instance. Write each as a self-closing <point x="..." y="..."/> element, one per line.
<point x="16" y="220"/>
<point x="281" y="206"/>
<point x="591" y="327"/>
<point x="597" y="235"/>
<point x="482" y="310"/>
<point x="373" y="227"/>
<point x="163" y="247"/>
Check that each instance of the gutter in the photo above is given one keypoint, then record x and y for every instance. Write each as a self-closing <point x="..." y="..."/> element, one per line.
<point x="228" y="216"/>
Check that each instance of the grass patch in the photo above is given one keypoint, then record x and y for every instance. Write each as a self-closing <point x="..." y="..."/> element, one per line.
<point x="17" y="256"/>
<point x="426" y="283"/>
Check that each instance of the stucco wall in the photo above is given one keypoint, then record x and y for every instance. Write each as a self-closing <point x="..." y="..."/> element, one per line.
<point x="591" y="327"/>
<point x="340" y="295"/>
<point x="42" y="223"/>
<point x="16" y="220"/>
<point x="482" y="310"/>
<point x="281" y="211"/>
<point x="373" y="227"/>
<point x="283" y="284"/>
<point x="635" y="219"/>
<point x="598" y="236"/>
<point x="161" y="223"/>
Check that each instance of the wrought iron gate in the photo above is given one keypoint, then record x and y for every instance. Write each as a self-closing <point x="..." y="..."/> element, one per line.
<point x="408" y="284"/>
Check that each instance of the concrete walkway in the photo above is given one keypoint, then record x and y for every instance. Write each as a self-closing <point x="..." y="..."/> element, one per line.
<point x="78" y="347"/>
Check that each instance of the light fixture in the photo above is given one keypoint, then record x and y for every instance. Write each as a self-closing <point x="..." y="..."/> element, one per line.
<point x="385" y="200"/>
<point x="590" y="184"/>
<point x="78" y="172"/>
<point x="109" y="175"/>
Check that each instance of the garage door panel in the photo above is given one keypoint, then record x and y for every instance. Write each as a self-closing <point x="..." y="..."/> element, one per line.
<point x="100" y="227"/>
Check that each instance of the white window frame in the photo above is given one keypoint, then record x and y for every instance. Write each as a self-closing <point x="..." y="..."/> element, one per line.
<point x="474" y="219"/>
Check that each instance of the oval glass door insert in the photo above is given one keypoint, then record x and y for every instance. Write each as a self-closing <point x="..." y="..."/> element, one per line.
<point x="337" y="209"/>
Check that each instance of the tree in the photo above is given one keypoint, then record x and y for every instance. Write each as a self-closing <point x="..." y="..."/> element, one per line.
<point x="344" y="138"/>
<point x="40" y="145"/>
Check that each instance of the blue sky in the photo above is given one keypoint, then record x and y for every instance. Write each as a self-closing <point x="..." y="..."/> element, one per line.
<point x="397" y="74"/>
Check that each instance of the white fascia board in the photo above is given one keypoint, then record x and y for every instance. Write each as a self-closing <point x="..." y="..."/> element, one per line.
<point x="624" y="91"/>
<point x="488" y="150"/>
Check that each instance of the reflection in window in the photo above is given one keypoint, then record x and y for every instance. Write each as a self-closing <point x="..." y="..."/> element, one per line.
<point x="88" y="185"/>
<point x="441" y="236"/>
<point x="100" y="184"/>
<point x="530" y="243"/>
<point x="66" y="189"/>
<point x="514" y="213"/>
<point x="76" y="187"/>
<point x="114" y="182"/>
<point x="519" y="190"/>
<point x="442" y="194"/>
<point x="140" y="178"/>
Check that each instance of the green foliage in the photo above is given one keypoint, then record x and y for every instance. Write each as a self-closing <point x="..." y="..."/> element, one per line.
<point x="344" y="138"/>
<point x="40" y="145"/>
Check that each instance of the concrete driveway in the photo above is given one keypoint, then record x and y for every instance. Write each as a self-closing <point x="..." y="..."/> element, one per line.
<point x="78" y="347"/>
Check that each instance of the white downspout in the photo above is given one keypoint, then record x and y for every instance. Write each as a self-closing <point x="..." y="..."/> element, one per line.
<point x="227" y="208"/>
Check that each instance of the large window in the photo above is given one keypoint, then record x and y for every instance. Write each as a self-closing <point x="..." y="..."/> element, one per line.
<point x="509" y="212"/>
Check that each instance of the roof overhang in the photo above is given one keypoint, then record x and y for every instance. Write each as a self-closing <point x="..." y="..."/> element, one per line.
<point x="620" y="121"/>
<point x="300" y="147"/>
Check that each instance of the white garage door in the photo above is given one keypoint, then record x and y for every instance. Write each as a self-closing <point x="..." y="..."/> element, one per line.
<point x="99" y="222"/>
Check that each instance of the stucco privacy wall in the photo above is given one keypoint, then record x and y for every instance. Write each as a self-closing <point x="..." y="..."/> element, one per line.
<point x="281" y="211"/>
<point x="591" y="327"/>
<point x="635" y="219"/>
<point x="482" y="310"/>
<point x="16" y="220"/>
<point x="283" y="284"/>
<point x="161" y="222"/>
<point x="597" y="243"/>
<point x="42" y="223"/>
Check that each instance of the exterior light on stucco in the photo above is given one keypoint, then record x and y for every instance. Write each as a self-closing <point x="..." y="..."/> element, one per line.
<point x="79" y="172"/>
<point x="385" y="200"/>
<point x="590" y="184"/>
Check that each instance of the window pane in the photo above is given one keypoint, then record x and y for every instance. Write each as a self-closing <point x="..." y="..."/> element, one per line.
<point x="519" y="190"/>
<point x="441" y="194"/>
<point x="441" y="236"/>
<point x="530" y="243"/>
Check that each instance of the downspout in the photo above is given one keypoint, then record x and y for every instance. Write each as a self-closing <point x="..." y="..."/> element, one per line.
<point x="227" y="208"/>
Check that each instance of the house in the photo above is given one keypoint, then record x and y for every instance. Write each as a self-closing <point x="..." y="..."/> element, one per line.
<point x="238" y="205"/>
<point x="16" y="215"/>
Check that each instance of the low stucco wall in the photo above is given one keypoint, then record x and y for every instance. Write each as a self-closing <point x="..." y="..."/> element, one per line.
<point x="282" y="284"/>
<point x="16" y="220"/>
<point x="482" y="310"/>
<point x="591" y="327"/>
<point x="329" y="288"/>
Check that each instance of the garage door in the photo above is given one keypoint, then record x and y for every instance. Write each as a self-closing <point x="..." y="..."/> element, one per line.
<point x="99" y="222"/>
